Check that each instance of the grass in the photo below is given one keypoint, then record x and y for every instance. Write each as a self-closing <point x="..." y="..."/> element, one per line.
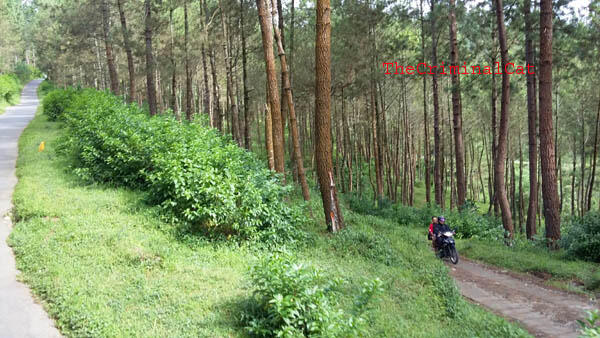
<point x="555" y="267"/>
<point x="104" y="264"/>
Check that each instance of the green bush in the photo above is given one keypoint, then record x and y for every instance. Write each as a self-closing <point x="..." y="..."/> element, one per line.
<point x="45" y="88"/>
<point x="197" y="177"/>
<point x="10" y="88"/>
<point x="56" y="102"/>
<point x="582" y="237"/>
<point x="472" y="224"/>
<point x="294" y="300"/>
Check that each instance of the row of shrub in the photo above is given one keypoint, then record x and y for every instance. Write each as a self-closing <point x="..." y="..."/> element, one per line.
<point x="199" y="178"/>
<point x="467" y="222"/>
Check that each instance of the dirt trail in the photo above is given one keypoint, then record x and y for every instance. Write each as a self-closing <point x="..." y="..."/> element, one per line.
<point x="543" y="311"/>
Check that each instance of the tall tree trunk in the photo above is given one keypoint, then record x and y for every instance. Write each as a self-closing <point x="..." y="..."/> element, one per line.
<point x="549" y="188"/>
<point x="504" y="121"/>
<point x="425" y="117"/>
<point x="204" y="20"/>
<point x="521" y="201"/>
<point x="217" y="121"/>
<point x="150" y="76"/>
<point x="573" y="173"/>
<point x="531" y="124"/>
<point x="459" y="148"/>
<point x="269" y="137"/>
<point x="494" y="143"/>
<point x="376" y="141"/>
<point x="278" y="7"/>
<point x="247" y="139"/>
<point x="595" y="155"/>
<point x="189" y="110"/>
<point x="333" y="214"/>
<point x="437" y="176"/>
<point x="173" y="99"/>
<point x="582" y="154"/>
<point x="112" y="71"/>
<point x="290" y="102"/>
<point x="127" y="45"/>
<point x="274" y="103"/>
<point x="235" y="123"/>
<point x="206" y="88"/>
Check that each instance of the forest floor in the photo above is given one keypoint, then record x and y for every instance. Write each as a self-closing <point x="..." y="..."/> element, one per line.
<point x="544" y="311"/>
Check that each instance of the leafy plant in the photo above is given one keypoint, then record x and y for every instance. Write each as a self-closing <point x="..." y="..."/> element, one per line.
<point x="291" y="299"/>
<point x="582" y="238"/>
<point x="10" y="87"/>
<point x="56" y="102"/>
<point x="45" y="88"/>
<point x="590" y="327"/>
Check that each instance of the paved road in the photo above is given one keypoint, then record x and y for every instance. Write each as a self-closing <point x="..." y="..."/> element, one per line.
<point x="20" y="315"/>
<point x="544" y="312"/>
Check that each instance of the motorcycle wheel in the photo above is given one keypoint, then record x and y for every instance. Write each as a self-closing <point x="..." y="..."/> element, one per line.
<point x="453" y="256"/>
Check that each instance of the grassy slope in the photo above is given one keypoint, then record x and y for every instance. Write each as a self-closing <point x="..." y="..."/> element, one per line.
<point x="106" y="265"/>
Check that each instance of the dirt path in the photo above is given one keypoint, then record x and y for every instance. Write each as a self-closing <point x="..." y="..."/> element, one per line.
<point x="20" y="315"/>
<point x="544" y="312"/>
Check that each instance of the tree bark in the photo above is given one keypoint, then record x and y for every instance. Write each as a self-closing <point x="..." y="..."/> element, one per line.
<point x="549" y="188"/>
<point x="425" y="117"/>
<point x="594" y="158"/>
<point x="521" y="201"/>
<point x="235" y="123"/>
<point x="290" y="103"/>
<point x="206" y="95"/>
<point x="110" y="60"/>
<point x="333" y="215"/>
<point x="504" y="122"/>
<point x="150" y="76"/>
<point x="127" y="45"/>
<point x="217" y="121"/>
<point x="247" y="138"/>
<point x="173" y="99"/>
<point x="459" y="148"/>
<point x="279" y="8"/>
<point x="437" y="175"/>
<point x="189" y="110"/>
<point x="573" y="173"/>
<point x="274" y="103"/>
<point x="531" y="125"/>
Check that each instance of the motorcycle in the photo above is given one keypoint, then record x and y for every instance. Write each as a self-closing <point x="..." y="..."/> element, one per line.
<point x="447" y="247"/>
